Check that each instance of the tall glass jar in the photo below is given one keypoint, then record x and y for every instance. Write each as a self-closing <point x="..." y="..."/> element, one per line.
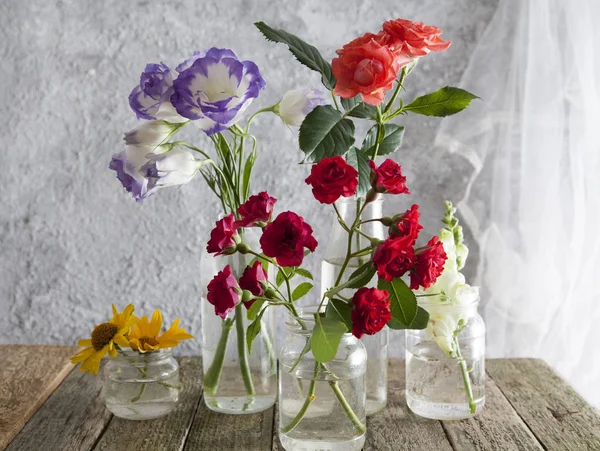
<point x="445" y="363"/>
<point x="236" y="381"/>
<point x="335" y="254"/>
<point x="321" y="406"/>
<point x="141" y="386"/>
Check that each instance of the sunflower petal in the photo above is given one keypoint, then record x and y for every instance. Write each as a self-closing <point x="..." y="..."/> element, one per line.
<point x="86" y="342"/>
<point x="82" y="355"/>
<point x="155" y="324"/>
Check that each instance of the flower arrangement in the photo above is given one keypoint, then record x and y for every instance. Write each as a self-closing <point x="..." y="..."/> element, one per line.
<point x="213" y="90"/>
<point x="126" y="331"/>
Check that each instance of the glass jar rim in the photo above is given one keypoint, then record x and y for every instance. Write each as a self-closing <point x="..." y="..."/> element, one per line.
<point x="448" y="302"/>
<point x="151" y="356"/>
<point x="307" y="315"/>
<point x="347" y="200"/>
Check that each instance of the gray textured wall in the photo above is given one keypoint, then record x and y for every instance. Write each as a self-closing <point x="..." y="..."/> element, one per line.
<point x="71" y="240"/>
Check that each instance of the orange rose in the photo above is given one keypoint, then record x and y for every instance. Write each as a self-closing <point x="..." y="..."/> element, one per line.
<point x="365" y="66"/>
<point x="413" y="39"/>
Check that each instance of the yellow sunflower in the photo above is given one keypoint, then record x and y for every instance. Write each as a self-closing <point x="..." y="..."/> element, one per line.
<point x="144" y="335"/>
<point x="104" y="338"/>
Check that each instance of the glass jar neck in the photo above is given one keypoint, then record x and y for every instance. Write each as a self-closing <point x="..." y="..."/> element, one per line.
<point x="305" y="322"/>
<point x="348" y="207"/>
<point x="147" y="357"/>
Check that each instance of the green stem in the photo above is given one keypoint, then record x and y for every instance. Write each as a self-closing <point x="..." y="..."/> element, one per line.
<point x="397" y="90"/>
<point x="379" y="132"/>
<point x="213" y="375"/>
<point x="144" y="372"/>
<point x="335" y="102"/>
<point x="310" y="397"/>
<point x="241" y="345"/>
<point x="465" y="375"/>
<point x="351" y="415"/>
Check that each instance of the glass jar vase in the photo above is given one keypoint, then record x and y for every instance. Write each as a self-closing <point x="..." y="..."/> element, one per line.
<point x="335" y="254"/>
<point x="236" y="381"/>
<point x="321" y="406"/>
<point x="445" y="363"/>
<point x="141" y="386"/>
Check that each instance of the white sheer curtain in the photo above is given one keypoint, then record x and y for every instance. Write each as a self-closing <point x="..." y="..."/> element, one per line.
<point x="533" y="202"/>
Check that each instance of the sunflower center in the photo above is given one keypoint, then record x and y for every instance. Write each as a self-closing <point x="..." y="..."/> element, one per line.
<point x="102" y="335"/>
<point x="148" y="341"/>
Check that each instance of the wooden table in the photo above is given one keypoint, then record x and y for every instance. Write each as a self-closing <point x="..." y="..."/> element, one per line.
<point x="46" y="406"/>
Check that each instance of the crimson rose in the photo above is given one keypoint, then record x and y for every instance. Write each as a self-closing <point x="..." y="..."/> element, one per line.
<point x="331" y="178"/>
<point x="254" y="280"/>
<point x="256" y="210"/>
<point x="367" y="67"/>
<point x="413" y="38"/>
<point x="286" y="237"/>
<point x="429" y="264"/>
<point x="223" y="292"/>
<point x="224" y="237"/>
<point x="394" y="257"/>
<point x="407" y="224"/>
<point x="370" y="311"/>
<point x="388" y="178"/>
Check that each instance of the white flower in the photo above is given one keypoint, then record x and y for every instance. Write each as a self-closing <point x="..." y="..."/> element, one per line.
<point x="297" y="103"/>
<point x="172" y="168"/>
<point x="149" y="133"/>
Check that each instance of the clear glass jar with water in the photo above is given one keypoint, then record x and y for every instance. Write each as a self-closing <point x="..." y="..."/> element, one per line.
<point x="445" y="363"/>
<point x="141" y="386"/>
<point x="235" y="380"/>
<point x="321" y="406"/>
<point x="335" y="254"/>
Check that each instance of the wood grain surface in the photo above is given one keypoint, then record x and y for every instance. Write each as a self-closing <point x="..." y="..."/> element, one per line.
<point x="28" y="375"/>
<point x="528" y="407"/>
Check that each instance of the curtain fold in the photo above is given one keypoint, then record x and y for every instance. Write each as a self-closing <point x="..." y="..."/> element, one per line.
<point x="533" y="201"/>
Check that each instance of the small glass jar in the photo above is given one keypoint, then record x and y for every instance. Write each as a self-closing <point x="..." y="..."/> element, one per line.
<point x="141" y="386"/>
<point x="321" y="406"/>
<point x="445" y="363"/>
<point x="235" y="380"/>
<point x="335" y="254"/>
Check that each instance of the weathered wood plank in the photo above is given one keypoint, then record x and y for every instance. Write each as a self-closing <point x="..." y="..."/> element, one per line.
<point x="28" y="375"/>
<point x="496" y="428"/>
<point x="167" y="433"/>
<point x="396" y="427"/>
<point x="558" y="417"/>
<point x="216" y="431"/>
<point x="276" y="445"/>
<point x="72" y="419"/>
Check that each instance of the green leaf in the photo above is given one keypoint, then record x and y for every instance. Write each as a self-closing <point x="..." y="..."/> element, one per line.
<point x="280" y="276"/>
<point x="351" y="103"/>
<point x="304" y="273"/>
<point x="360" y="162"/>
<point x="301" y="290"/>
<point x="359" y="109"/>
<point x="339" y="310"/>
<point x="420" y="321"/>
<point x="362" y="276"/>
<point x="392" y="140"/>
<point x="325" y="133"/>
<point x="445" y="102"/>
<point x="305" y="53"/>
<point x="403" y="302"/>
<point x="253" y="330"/>
<point x="247" y="173"/>
<point x="254" y="309"/>
<point x="326" y="337"/>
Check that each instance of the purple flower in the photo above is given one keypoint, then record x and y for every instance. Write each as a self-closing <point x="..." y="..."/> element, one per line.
<point x="127" y="165"/>
<point x="215" y="89"/>
<point x="297" y="103"/>
<point x="151" y="98"/>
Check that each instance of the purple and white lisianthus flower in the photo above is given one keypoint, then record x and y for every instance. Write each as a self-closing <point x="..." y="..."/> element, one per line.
<point x="297" y="103"/>
<point x="215" y="89"/>
<point x="151" y="99"/>
<point x="150" y="133"/>
<point x="144" y="169"/>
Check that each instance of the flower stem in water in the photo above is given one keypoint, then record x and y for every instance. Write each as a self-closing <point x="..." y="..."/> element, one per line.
<point x="466" y="379"/>
<point x="241" y="345"/>
<point x="213" y="375"/>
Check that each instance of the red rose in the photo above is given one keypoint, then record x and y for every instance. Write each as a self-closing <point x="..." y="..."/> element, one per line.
<point x="254" y="280"/>
<point x="388" y="178"/>
<point x="331" y="178"/>
<point x="256" y="210"/>
<point x="286" y="237"/>
<point x="394" y="257"/>
<point x="429" y="264"/>
<point x="223" y="292"/>
<point x="370" y="311"/>
<point x="224" y="237"/>
<point x="413" y="38"/>
<point x="367" y="67"/>
<point x="407" y="224"/>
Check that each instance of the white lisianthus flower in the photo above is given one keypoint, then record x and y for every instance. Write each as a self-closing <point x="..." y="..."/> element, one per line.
<point x="297" y="103"/>
<point x="173" y="168"/>
<point x="150" y="133"/>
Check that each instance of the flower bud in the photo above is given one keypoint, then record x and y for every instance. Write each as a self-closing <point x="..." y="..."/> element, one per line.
<point x="243" y="248"/>
<point x="387" y="221"/>
<point x="150" y="133"/>
<point x="247" y="296"/>
<point x="270" y="293"/>
<point x="297" y="103"/>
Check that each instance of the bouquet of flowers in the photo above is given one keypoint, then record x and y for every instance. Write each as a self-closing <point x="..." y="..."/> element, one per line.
<point x="213" y="90"/>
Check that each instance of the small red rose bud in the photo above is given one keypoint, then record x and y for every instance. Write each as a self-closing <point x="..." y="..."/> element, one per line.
<point x="243" y="248"/>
